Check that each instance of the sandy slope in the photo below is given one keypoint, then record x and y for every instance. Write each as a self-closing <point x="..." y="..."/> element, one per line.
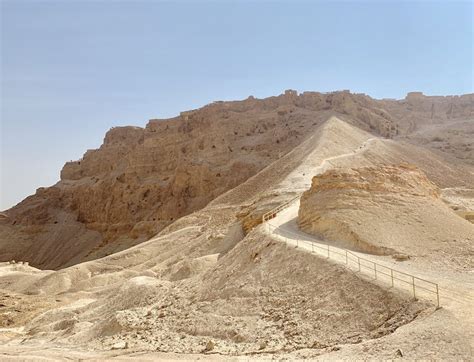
<point x="456" y="298"/>
<point x="457" y="289"/>
<point x="387" y="210"/>
<point x="201" y="279"/>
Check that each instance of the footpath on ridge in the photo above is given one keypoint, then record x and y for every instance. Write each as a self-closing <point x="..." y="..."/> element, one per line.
<point x="441" y="288"/>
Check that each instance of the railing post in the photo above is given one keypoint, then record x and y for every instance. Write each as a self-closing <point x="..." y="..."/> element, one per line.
<point x="271" y="228"/>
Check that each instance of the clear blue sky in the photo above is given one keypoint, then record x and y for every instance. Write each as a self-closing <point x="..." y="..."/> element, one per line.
<point x="72" y="69"/>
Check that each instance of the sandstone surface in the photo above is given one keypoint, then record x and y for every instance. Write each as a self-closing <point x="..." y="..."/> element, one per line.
<point x="385" y="210"/>
<point x="160" y="252"/>
<point x="142" y="179"/>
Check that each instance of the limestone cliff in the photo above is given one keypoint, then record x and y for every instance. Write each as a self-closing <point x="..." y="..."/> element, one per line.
<point x="142" y="179"/>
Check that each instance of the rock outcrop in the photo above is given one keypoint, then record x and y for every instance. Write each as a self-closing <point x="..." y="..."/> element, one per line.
<point x="382" y="210"/>
<point x="142" y="179"/>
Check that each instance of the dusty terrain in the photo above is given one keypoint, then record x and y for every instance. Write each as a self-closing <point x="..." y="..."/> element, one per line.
<point x="386" y="210"/>
<point x="453" y="138"/>
<point x="143" y="179"/>
<point x="192" y="273"/>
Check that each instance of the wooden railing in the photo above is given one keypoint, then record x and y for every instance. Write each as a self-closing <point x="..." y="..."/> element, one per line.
<point x="272" y="213"/>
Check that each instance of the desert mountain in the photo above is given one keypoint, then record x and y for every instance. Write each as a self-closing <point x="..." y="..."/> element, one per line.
<point x="206" y="277"/>
<point x="143" y="179"/>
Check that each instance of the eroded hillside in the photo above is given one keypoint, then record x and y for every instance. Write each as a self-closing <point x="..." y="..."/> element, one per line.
<point x="214" y="282"/>
<point x="387" y="210"/>
<point x="142" y="179"/>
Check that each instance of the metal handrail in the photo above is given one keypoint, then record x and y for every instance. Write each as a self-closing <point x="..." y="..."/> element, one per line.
<point x="349" y="256"/>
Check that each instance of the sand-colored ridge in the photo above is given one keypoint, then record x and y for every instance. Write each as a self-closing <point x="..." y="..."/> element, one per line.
<point x="143" y="179"/>
<point x="213" y="283"/>
<point x="384" y="210"/>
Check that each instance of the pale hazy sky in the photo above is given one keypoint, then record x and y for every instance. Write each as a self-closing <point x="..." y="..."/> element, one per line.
<point x="70" y="70"/>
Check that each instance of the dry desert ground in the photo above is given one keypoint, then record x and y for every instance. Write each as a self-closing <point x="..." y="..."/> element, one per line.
<point x="329" y="226"/>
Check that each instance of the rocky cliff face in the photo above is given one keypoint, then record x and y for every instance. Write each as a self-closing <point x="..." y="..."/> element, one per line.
<point x="383" y="210"/>
<point x="142" y="179"/>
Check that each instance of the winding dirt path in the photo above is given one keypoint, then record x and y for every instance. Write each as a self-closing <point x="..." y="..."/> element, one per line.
<point x="456" y="289"/>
